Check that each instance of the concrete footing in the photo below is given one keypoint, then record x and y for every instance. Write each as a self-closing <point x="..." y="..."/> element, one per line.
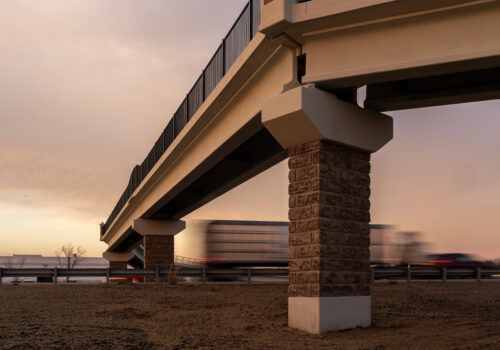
<point x="322" y="314"/>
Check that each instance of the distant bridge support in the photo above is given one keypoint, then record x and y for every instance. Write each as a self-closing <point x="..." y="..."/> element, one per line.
<point x="329" y="143"/>
<point x="118" y="260"/>
<point x="158" y="242"/>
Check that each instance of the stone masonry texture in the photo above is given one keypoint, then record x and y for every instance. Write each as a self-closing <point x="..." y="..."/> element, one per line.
<point x="158" y="252"/>
<point x="118" y="265"/>
<point x="329" y="213"/>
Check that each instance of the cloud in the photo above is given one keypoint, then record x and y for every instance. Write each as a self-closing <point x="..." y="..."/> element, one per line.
<point x="87" y="87"/>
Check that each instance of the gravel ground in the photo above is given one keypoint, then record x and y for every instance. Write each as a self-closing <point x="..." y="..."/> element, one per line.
<point x="415" y="316"/>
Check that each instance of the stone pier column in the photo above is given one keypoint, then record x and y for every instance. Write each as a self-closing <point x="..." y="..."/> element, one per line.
<point x="118" y="260"/>
<point x="158" y="251"/>
<point x="158" y="242"/>
<point x="329" y="237"/>
<point x="329" y="143"/>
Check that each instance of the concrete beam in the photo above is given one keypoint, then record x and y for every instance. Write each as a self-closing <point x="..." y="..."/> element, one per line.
<point x="260" y="71"/>
<point x="478" y="85"/>
<point x="386" y="40"/>
<point x="307" y="114"/>
<point x="147" y="227"/>
<point x="429" y="42"/>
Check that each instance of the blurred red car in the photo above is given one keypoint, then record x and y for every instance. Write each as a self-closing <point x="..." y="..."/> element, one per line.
<point x="135" y="279"/>
<point x="454" y="260"/>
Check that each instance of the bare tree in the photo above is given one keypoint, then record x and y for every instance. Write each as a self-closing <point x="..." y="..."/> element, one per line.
<point x="493" y="263"/>
<point x="69" y="256"/>
<point x="10" y="265"/>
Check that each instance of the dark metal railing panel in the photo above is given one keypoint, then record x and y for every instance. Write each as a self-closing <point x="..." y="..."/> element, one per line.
<point x="145" y="167"/>
<point x="159" y="148"/>
<point x="237" y="39"/>
<point x="151" y="160"/>
<point x="128" y="191"/>
<point x="214" y="71"/>
<point x="180" y="118"/>
<point x="141" y="174"/>
<point x="255" y="16"/>
<point x="136" y="176"/>
<point x="153" y="156"/>
<point x="195" y="98"/>
<point x="243" y="30"/>
<point x="168" y="135"/>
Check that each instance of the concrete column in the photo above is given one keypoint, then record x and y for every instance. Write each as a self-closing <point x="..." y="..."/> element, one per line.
<point x="329" y="143"/>
<point x="118" y="260"/>
<point x="158" y="242"/>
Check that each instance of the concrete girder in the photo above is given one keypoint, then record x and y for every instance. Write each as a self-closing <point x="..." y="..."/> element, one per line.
<point x="260" y="71"/>
<point x="358" y="42"/>
<point x="471" y="86"/>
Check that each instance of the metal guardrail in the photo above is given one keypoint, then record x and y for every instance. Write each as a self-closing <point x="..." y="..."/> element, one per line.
<point x="238" y="38"/>
<point x="377" y="273"/>
<point x="417" y="273"/>
<point x="201" y="272"/>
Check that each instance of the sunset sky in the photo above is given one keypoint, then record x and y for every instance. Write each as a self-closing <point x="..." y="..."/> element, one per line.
<point x="86" y="87"/>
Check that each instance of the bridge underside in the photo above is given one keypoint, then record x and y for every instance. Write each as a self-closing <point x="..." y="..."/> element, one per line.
<point x="258" y="153"/>
<point x="469" y="86"/>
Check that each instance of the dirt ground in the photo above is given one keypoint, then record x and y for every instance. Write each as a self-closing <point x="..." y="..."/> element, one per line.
<point x="416" y="316"/>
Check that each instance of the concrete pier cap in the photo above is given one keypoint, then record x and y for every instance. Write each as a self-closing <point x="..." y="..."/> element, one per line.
<point x="118" y="260"/>
<point x="148" y="227"/>
<point x="306" y="113"/>
<point x="329" y="143"/>
<point x="117" y="256"/>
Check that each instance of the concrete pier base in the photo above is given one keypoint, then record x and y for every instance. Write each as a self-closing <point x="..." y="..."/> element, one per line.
<point x="321" y="314"/>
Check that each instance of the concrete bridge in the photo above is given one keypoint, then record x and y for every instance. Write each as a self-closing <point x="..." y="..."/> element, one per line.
<point x="284" y="84"/>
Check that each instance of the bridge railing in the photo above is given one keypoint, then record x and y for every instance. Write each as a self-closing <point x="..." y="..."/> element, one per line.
<point x="240" y="34"/>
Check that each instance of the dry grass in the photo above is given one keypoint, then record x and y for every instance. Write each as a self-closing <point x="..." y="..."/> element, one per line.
<point x="415" y="316"/>
<point x="172" y="274"/>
